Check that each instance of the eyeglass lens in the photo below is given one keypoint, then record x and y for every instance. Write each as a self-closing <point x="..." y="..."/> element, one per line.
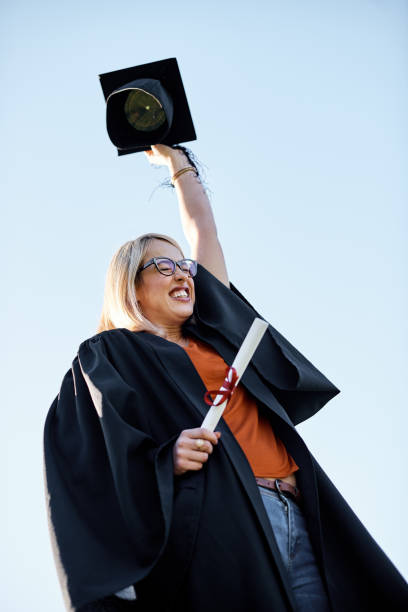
<point x="167" y="266"/>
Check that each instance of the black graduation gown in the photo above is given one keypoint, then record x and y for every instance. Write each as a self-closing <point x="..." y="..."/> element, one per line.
<point x="201" y="541"/>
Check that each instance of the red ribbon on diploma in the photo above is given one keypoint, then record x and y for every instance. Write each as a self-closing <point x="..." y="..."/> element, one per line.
<point x="227" y="389"/>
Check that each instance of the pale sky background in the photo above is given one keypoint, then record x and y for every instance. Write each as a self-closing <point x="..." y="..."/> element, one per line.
<point x="300" y="109"/>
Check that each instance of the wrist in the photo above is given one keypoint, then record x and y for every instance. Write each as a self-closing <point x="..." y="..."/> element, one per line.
<point x="180" y="173"/>
<point x="177" y="161"/>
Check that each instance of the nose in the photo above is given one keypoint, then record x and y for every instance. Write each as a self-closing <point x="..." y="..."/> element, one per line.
<point x="179" y="273"/>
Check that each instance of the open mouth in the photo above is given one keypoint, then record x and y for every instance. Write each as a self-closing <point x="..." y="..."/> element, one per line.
<point x="180" y="294"/>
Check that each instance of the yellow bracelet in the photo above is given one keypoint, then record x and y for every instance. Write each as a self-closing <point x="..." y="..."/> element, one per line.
<point x="182" y="171"/>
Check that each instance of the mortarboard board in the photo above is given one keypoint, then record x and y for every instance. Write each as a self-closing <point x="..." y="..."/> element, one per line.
<point x="146" y="105"/>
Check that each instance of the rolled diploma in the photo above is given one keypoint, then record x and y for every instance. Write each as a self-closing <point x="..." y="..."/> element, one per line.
<point x="242" y="358"/>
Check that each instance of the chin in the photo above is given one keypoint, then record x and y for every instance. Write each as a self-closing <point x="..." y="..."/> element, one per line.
<point x="186" y="314"/>
<point x="183" y="309"/>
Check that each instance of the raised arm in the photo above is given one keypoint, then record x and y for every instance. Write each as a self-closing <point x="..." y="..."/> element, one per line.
<point x="196" y="215"/>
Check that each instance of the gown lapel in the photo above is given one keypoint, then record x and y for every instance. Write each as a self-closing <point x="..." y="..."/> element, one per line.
<point x="181" y="370"/>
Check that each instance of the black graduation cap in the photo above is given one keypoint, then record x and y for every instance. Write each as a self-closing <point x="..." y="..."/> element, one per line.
<point x="146" y="105"/>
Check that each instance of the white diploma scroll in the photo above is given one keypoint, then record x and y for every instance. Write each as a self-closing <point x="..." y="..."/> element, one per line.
<point x="243" y="357"/>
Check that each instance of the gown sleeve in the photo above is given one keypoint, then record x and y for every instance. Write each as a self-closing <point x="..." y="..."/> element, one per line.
<point x="109" y="482"/>
<point x="295" y="382"/>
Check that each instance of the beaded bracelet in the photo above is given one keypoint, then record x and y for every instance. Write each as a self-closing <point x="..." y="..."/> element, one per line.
<point x="182" y="171"/>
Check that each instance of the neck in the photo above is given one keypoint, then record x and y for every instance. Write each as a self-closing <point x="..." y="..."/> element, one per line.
<point x="173" y="334"/>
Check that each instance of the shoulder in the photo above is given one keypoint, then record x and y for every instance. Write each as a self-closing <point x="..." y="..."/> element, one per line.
<point x="114" y="346"/>
<point x="108" y="335"/>
<point x="114" y="337"/>
<point x="206" y="282"/>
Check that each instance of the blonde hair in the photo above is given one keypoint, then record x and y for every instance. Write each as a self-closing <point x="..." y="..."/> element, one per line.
<point x="120" y="306"/>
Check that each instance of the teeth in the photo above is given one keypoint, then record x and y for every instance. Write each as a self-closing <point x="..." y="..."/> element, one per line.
<point x="181" y="293"/>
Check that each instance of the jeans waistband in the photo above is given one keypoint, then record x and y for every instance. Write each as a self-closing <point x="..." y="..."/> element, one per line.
<point x="281" y="487"/>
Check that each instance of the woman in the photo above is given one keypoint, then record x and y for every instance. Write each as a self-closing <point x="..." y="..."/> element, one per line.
<point x="147" y="509"/>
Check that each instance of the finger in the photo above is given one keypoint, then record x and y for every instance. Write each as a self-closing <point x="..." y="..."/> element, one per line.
<point x="186" y="442"/>
<point x="197" y="456"/>
<point x="201" y="445"/>
<point x="202" y="433"/>
<point x="192" y="453"/>
<point x="190" y="465"/>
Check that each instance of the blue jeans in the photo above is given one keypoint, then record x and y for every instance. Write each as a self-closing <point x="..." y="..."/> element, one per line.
<point x="289" y="527"/>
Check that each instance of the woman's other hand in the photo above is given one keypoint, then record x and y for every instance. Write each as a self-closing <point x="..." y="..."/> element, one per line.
<point x="192" y="449"/>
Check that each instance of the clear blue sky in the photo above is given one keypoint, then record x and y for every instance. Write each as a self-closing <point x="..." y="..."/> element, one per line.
<point x="300" y="109"/>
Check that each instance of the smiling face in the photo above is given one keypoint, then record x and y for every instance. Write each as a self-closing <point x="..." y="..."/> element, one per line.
<point x="163" y="299"/>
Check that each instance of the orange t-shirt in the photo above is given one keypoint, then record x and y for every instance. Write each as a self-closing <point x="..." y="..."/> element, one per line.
<point x="265" y="452"/>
